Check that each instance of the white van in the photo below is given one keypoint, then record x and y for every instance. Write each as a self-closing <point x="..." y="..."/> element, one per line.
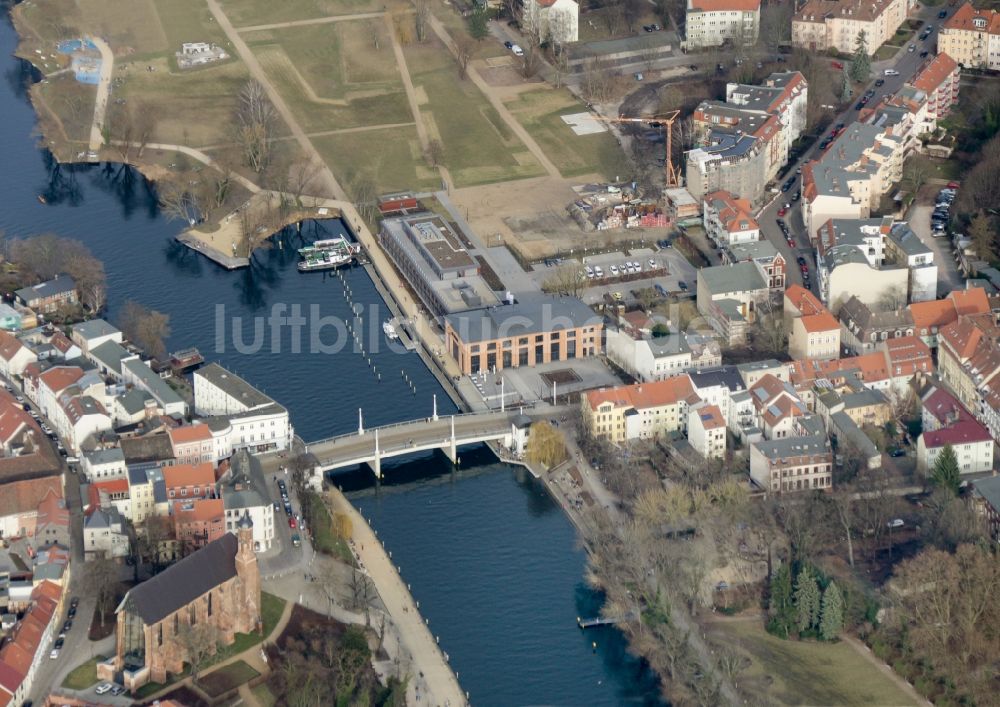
<point x="891" y="72"/>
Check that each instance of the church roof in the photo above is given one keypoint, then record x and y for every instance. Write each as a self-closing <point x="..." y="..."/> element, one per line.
<point x="181" y="583"/>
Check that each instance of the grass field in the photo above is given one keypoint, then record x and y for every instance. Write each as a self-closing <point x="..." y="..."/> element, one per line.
<point x="199" y="103"/>
<point x="187" y="21"/>
<point x="218" y="682"/>
<point x="325" y="537"/>
<point x="82" y="676"/>
<point x="575" y="155"/>
<point x="317" y="117"/>
<point x="809" y="673"/>
<point x="391" y="155"/>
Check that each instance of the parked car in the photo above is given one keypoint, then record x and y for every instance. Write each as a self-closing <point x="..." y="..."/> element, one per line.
<point x="54" y="654"/>
<point x="683" y="285"/>
<point x="296" y="540"/>
<point x="896" y="523"/>
<point x="67" y="625"/>
<point x="801" y="260"/>
<point x="890" y="72"/>
<point x="103" y="688"/>
<point x="797" y="195"/>
<point x="924" y="54"/>
<point x="860" y="105"/>
<point x="292" y="524"/>
<point x="952" y="185"/>
<point x="782" y="211"/>
<point x="517" y="50"/>
<point x="879" y="82"/>
<point x="509" y="45"/>
<point x="836" y="65"/>
<point x="912" y="48"/>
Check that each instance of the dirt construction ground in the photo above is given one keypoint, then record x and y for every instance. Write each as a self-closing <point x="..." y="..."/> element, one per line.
<point x="504" y="209"/>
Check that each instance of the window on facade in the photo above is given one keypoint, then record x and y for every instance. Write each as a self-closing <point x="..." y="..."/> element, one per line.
<point x="192" y="615"/>
<point x="210" y="603"/>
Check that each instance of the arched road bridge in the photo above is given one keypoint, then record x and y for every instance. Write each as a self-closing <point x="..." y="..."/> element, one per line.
<point x="446" y="432"/>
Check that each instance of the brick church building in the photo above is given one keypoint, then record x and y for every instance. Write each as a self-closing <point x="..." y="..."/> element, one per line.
<point x="218" y="585"/>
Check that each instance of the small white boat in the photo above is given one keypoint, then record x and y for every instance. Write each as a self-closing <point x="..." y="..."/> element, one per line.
<point x="389" y="331"/>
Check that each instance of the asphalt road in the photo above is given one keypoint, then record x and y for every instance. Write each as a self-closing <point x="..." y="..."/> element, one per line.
<point x="906" y="63"/>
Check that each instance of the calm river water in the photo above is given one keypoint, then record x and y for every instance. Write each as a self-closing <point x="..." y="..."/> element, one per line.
<point x="492" y="560"/>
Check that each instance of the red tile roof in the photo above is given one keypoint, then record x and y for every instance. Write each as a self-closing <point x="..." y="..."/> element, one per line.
<point x="644" y="395"/>
<point x="9" y="345"/>
<point x="934" y="73"/>
<point x="24" y="496"/>
<point x="909" y="354"/>
<point x="184" y="475"/>
<point x="111" y="486"/>
<point x="725" y="5"/>
<point x="59" y="378"/>
<point x="964" y="432"/>
<point x="963" y="20"/>
<point x="198" y="432"/>
<point x="10" y="678"/>
<point x="52" y="510"/>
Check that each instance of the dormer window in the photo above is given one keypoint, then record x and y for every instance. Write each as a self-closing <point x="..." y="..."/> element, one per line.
<point x="979" y="22"/>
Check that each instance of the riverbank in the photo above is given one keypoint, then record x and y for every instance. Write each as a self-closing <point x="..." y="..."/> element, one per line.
<point x="432" y="676"/>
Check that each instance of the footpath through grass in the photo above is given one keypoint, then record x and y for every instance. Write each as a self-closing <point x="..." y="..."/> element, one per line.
<point x="803" y="672"/>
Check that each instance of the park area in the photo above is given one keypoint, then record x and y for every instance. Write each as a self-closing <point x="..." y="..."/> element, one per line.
<point x="807" y="672"/>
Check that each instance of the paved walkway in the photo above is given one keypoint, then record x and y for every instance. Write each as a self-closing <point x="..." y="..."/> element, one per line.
<point x="312" y="21"/>
<point x="429" y="663"/>
<point x="411" y="96"/>
<point x="103" y="91"/>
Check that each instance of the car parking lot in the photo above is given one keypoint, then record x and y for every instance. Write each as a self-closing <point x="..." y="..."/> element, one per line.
<point x="922" y="222"/>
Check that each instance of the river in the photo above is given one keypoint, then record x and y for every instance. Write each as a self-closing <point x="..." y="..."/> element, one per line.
<point x="491" y="558"/>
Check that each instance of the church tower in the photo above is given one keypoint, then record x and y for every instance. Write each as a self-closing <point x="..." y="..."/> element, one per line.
<point x="248" y="574"/>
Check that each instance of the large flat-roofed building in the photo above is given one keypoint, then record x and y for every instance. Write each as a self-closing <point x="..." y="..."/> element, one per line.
<point x="434" y="260"/>
<point x="253" y="420"/>
<point x="528" y="333"/>
<point x="836" y="24"/>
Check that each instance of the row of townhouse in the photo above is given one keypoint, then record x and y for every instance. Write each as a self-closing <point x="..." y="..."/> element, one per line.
<point x="969" y="363"/>
<point x="26" y="646"/>
<point x="742" y="142"/>
<point x="972" y="37"/>
<point x="636" y="344"/>
<point x="851" y="176"/>
<point x="712" y="23"/>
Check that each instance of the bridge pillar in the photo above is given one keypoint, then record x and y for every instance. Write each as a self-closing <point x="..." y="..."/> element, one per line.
<point x="377" y="463"/>
<point x="452" y="448"/>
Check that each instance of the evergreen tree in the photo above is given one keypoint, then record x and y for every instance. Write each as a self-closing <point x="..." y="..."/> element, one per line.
<point x="807" y="600"/>
<point x="945" y="472"/>
<point x="861" y="63"/>
<point x="832" y="613"/>
<point x="479" y="23"/>
<point x="782" y="609"/>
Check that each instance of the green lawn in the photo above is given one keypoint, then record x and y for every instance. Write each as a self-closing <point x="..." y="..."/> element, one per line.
<point x="264" y="696"/>
<point x="575" y="155"/>
<point x="885" y="52"/>
<point x="230" y="677"/>
<point x="478" y="146"/>
<point x="316" y="117"/>
<point x="83" y="676"/>
<point x="271" y="608"/>
<point x="392" y="155"/>
<point x="325" y="537"/>
<point x="935" y="168"/>
<point x="802" y="672"/>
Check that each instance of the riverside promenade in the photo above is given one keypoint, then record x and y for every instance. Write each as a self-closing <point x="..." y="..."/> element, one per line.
<point x="432" y="676"/>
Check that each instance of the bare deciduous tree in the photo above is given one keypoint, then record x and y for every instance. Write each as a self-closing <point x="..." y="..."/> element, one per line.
<point x="255" y="119"/>
<point x="145" y="327"/>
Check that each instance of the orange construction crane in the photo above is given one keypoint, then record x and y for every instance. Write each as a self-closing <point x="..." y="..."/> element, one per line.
<point x="665" y="121"/>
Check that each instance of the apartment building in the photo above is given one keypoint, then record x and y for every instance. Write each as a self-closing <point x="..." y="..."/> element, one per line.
<point x="946" y="422"/>
<point x="813" y="332"/>
<point x="930" y="95"/>
<point x="792" y="464"/>
<point x="969" y="362"/>
<point x="848" y="180"/>
<point x="707" y="431"/>
<point x="249" y="418"/>
<point x="836" y="24"/>
<point x="728" y="297"/>
<point x="554" y="21"/>
<point x="727" y="220"/>
<point x="930" y="316"/>
<point x="770" y="263"/>
<point x="711" y="23"/>
<point x="972" y="37"/>
<point x="640" y="411"/>
<point x="741" y="143"/>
